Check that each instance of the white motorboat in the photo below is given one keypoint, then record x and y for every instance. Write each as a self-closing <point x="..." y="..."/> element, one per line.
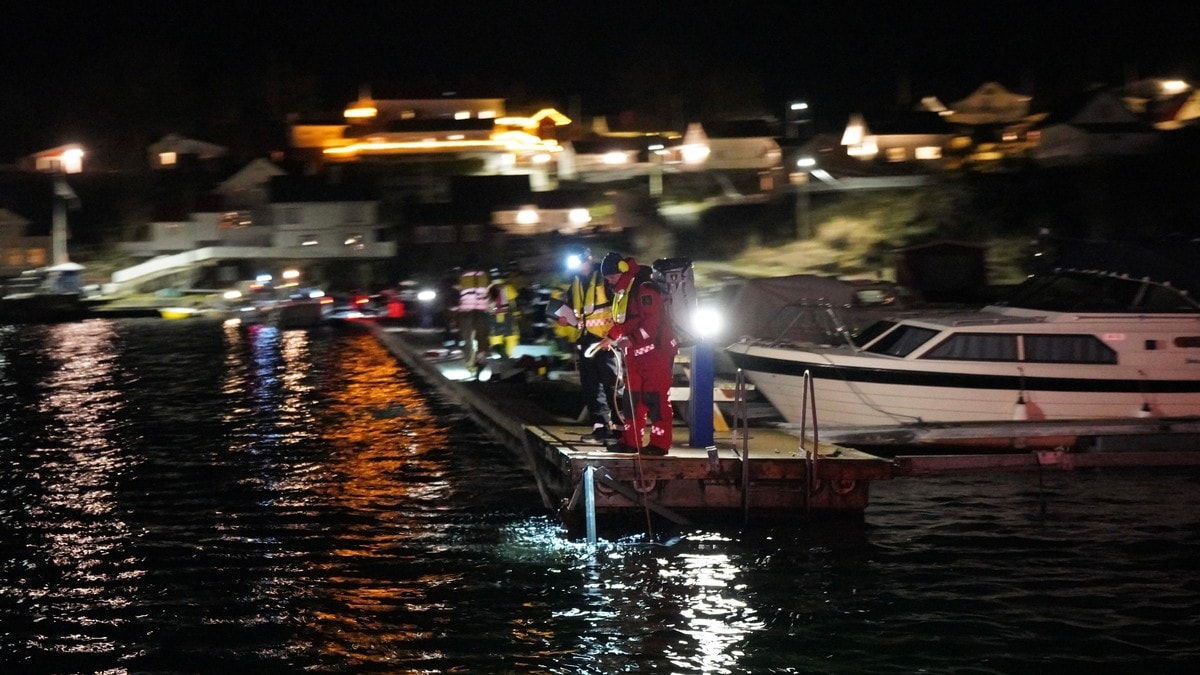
<point x="1072" y="345"/>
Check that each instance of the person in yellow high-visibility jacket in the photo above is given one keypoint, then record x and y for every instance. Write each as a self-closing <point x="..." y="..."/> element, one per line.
<point x="505" y="332"/>
<point x="586" y="313"/>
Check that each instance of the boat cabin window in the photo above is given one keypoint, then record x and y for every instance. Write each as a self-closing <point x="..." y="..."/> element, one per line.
<point x="871" y="332"/>
<point x="975" y="347"/>
<point x="902" y="341"/>
<point x="1067" y="349"/>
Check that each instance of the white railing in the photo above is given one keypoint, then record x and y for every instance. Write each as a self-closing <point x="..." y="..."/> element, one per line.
<point x="165" y="263"/>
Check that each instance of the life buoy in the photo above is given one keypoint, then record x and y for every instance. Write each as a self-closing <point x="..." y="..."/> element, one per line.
<point x="844" y="486"/>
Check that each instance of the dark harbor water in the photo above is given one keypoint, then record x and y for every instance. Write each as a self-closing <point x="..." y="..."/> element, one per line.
<point x="194" y="497"/>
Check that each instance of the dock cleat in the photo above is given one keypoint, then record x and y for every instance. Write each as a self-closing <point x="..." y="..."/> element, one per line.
<point x="621" y="447"/>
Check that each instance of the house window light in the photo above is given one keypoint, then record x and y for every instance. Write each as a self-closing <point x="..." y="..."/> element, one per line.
<point x="361" y="112"/>
<point x="1172" y="87"/>
<point x="615" y="157"/>
<point x="308" y="241"/>
<point x="695" y="153"/>
<point x="455" y="137"/>
<point x="528" y="216"/>
<point x="462" y="115"/>
<point x="166" y="158"/>
<point x="866" y="149"/>
<point x="928" y="152"/>
<point x="540" y="158"/>
<point x="487" y="114"/>
<point x="579" y="216"/>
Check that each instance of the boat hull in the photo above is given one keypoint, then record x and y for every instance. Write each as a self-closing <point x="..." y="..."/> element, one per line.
<point x="862" y="391"/>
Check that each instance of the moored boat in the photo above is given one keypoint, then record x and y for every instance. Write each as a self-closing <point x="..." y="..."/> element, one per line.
<point x="1074" y="344"/>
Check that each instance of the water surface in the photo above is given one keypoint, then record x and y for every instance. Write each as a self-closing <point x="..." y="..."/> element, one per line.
<point x="195" y="497"/>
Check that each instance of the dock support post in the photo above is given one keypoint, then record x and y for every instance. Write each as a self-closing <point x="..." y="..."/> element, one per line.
<point x="700" y="430"/>
<point x="589" y="502"/>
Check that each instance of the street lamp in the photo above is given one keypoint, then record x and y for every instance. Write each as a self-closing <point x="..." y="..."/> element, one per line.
<point x="803" y="206"/>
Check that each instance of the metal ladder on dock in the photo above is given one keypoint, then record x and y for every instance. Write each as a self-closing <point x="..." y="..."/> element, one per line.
<point x="741" y="429"/>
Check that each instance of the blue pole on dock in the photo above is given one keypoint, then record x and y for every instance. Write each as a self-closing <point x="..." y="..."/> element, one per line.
<point x="700" y="428"/>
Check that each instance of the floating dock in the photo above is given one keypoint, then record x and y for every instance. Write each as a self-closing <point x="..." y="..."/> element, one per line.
<point x="748" y="471"/>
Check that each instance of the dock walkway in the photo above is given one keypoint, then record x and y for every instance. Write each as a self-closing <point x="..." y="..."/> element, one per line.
<point x="742" y="473"/>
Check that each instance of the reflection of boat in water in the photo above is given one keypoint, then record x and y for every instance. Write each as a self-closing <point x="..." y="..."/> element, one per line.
<point x="1069" y="345"/>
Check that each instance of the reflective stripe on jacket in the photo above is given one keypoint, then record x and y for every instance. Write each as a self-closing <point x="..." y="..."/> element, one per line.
<point x="473" y="291"/>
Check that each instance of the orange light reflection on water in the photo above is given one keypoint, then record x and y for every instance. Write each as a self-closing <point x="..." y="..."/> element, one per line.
<point x="384" y="466"/>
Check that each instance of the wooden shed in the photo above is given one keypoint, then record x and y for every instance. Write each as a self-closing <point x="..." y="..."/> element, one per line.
<point x="944" y="270"/>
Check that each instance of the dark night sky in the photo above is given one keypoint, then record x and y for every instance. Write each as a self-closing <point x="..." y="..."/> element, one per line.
<point x="109" y="73"/>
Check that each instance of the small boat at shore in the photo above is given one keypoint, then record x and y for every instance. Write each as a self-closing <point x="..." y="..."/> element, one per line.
<point x="1074" y="344"/>
<point x="178" y="312"/>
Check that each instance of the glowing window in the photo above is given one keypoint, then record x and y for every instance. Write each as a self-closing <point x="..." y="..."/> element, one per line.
<point x="579" y="216"/>
<point x="928" y="152"/>
<point x="167" y="158"/>
<point x="896" y="154"/>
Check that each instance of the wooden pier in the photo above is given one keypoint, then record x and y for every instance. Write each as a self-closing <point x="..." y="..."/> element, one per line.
<point x="749" y="471"/>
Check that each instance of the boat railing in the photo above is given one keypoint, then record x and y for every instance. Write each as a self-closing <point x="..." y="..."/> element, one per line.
<point x="812" y="321"/>
<point x="741" y="430"/>
<point x="808" y="408"/>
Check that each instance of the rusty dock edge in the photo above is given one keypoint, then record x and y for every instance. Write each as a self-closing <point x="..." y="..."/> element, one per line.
<point x="767" y="472"/>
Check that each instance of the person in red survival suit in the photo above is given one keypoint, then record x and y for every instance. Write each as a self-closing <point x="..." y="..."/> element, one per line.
<point x="642" y="330"/>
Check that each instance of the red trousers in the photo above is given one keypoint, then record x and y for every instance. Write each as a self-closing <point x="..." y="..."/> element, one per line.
<point x="647" y="396"/>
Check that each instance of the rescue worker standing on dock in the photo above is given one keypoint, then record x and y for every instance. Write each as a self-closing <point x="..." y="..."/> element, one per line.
<point x="506" y="315"/>
<point x="642" y="330"/>
<point x="585" y="311"/>
<point x="473" y="314"/>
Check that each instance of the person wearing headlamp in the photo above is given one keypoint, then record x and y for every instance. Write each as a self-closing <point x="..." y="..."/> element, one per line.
<point x="584" y="312"/>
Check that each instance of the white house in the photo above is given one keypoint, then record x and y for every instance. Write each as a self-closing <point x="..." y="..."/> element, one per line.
<point x="919" y="137"/>
<point x="172" y="149"/>
<point x="735" y="144"/>
<point x="1095" y="127"/>
<point x="326" y="218"/>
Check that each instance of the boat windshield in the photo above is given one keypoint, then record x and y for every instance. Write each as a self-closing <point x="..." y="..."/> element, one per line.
<point x="1089" y="292"/>
<point x="871" y="332"/>
<point x="902" y="341"/>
